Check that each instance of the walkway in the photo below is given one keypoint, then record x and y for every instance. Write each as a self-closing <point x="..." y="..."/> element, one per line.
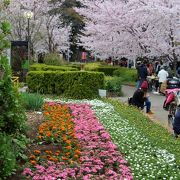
<point x="160" y="115"/>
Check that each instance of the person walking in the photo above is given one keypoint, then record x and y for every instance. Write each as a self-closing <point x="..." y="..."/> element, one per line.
<point x="143" y="73"/>
<point x="162" y="75"/>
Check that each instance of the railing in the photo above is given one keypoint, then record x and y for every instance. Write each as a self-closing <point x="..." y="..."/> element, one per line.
<point x="15" y="80"/>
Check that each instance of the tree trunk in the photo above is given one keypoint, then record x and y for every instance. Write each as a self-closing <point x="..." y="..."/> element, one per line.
<point x="174" y="62"/>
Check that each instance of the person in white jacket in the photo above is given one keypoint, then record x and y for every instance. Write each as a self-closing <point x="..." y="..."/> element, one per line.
<point x="162" y="75"/>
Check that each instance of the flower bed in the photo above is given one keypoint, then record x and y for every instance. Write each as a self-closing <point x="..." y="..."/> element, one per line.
<point x="99" y="157"/>
<point x="151" y="152"/>
<point x="57" y="130"/>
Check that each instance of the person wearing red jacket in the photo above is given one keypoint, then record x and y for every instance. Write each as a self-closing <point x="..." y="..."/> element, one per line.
<point x="140" y="98"/>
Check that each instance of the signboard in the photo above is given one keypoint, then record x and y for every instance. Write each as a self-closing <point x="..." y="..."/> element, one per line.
<point x="19" y="58"/>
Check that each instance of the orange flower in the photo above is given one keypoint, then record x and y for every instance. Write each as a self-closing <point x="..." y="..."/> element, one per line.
<point x="57" y="153"/>
<point x="48" y="152"/>
<point x="40" y="137"/>
<point x="46" y="113"/>
<point x="77" y="152"/>
<point x="68" y="142"/>
<point x="55" y="159"/>
<point x="48" y="156"/>
<point x="32" y="157"/>
<point x="51" y="158"/>
<point x="64" y="158"/>
<point x="33" y="162"/>
<point x="48" y="133"/>
<point x="37" y="152"/>
<point x="44" y="157"/>
<point x="41" y="131"/>
<point x="67" y="154"/>
<point x="76" y="156"/>
<point x="64" y="138"/>
<point x="68" y="147"/>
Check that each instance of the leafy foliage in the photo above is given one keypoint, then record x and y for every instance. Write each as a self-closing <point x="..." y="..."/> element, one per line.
<point x="99" y="67"/>
<point x="32" y="101"/>
<point x="43" y="67"/>
<point x="54" y="59"/>
<point x="113" y="85"/>
<point x="12" y="116"/>
<point x="7" y="156"/>
<point x="70" y="17"/>
<point x="127" y="75"/>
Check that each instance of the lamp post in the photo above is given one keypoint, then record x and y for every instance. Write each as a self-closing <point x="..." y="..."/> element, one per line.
<point x="28" y="15"/>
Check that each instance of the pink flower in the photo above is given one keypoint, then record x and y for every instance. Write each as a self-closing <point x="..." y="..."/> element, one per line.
<point x="27" y="172"/>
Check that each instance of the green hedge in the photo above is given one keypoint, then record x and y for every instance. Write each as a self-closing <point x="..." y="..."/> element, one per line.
<point x="78" y="85"/>
<point x="113" y="85"/>
<point x="73" y="65"/>
<point x="44" y="67"/>
<point x="107" y="70"/>
<point x="127" y="75"/>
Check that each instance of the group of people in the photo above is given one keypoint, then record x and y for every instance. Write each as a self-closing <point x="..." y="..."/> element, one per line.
<point x="140" y="98"/>
<point x="156" y="74"/>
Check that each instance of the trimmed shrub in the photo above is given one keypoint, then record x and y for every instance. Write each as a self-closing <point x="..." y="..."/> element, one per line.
<point x="107" y="70"/>
<point x="113" y="85"/>
<point x="127" y="75"/>
<point x="92" y="66"/>
<point x="78" y="85"/>
<point x="44" y="67"/>
<point x="74" y="65"/>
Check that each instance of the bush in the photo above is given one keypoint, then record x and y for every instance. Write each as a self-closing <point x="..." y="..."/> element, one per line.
<point x="44" y="67"/>
<point x="78" y="85"/>
<point x="54" y="59"/>
<point x="127" y="75"/>
<point x="113" y="85"/>
<point x="12" y="116"/>
<point x="7" y="156"/>
<point x="32" y="101"/>
<point x="107" y="70"/>
<point x="92" y="66"/>
<point x="74" y="65"/>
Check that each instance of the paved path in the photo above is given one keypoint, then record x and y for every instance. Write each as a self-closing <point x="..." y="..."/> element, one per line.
<point x="160" y="115"/>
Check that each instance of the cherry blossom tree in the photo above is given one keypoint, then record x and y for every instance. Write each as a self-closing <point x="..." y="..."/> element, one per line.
<point x="45" y="31"/>
<point x="132" y="28"/>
